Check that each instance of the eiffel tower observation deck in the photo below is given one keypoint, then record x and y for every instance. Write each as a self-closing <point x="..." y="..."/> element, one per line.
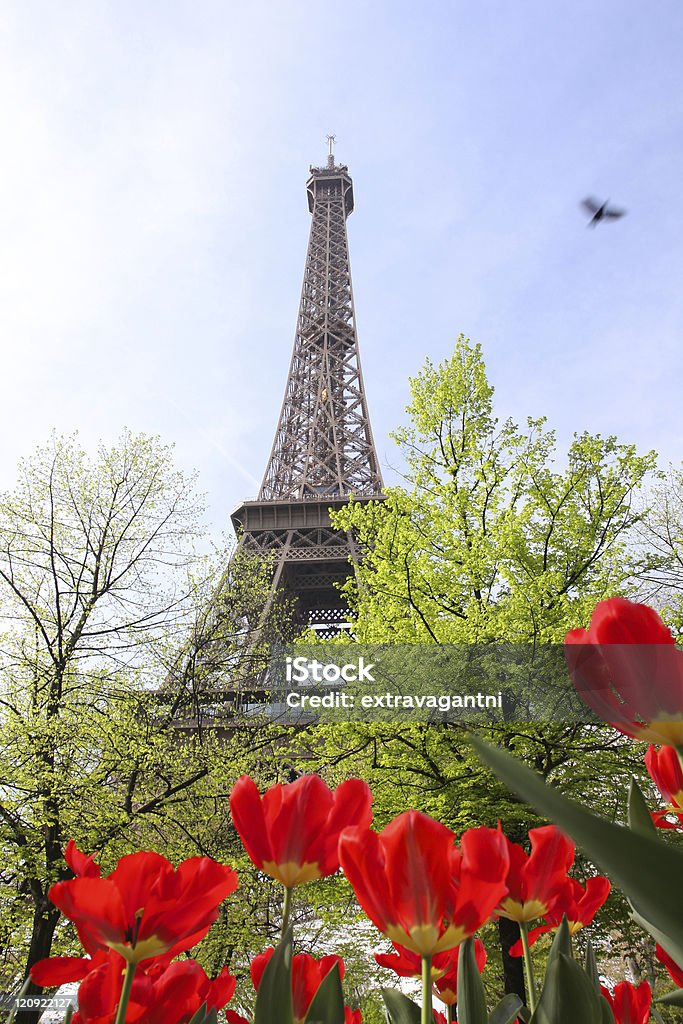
<point x="323" y="452"/>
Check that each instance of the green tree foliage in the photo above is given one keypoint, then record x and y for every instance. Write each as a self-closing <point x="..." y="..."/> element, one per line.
<point x="490" y="540"/>
<point x="83" y="549"/>
<point x="106" y="642"/>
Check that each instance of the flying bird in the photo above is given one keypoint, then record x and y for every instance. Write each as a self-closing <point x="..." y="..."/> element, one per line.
<point x="600" y="211"/>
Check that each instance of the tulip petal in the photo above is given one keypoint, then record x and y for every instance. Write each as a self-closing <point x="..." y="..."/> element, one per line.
<point x="96" y="905"/>
<point x="352" y="805"/>
<point x="296" y="816"/>
<point x="136" y="876"/>
<point x="483" y="871"/>
<point x="620" y="621"/>
<point x="362" y="860"/>
<point x="674" y="969"/>
<point x="59" y="970"/>
<point x="187" y="900"/>
<point x="417" y="856"/>
<point x="249" y="820"/>
<point x="627" y="669"/>
<point x="79" y="863"/>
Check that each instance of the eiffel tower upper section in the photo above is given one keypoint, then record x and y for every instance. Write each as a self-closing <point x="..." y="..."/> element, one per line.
<point x="323" y="444"/>
<point x="323" y="452"/>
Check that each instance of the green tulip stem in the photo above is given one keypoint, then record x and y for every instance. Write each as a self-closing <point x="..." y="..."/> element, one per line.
<point x="69" y="1015"/>
<point x="125" y="992"/>
<point x="449" y="1014"/>
<point x="427" y="1015"/>
<point x="528" y="967"/>
<point x="286" y="910"/>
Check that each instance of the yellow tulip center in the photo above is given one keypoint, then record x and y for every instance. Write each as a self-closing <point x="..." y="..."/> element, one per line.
<point x="291" y="873"/>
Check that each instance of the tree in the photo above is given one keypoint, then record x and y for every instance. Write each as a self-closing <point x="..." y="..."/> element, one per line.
<point x="660" y="579"/>
<point x="489" y="542"/>
<point x="101" y="590"/>
<point x="89" y="564"/>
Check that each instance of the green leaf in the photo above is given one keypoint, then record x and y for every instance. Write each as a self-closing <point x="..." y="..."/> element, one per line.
<point x="568" y="995"/>
<point x="506" y="1010"/>
<point x="401" y="1010"/>
<point x="205" y="1016"/>
<point x="639" y="818"/>
<point x="274" y="996"/>
<point x="471" y="997"/>
<point x="672" y="945"/>
<point x="674" y="998"/>
<point x="200" y="1016"/>
<point x="590" y="966"/>
<point x="328" y="1002"/>
<point x="656" y="894"/>
<point x="640" y="821"/>
<point x="562" y="943"/>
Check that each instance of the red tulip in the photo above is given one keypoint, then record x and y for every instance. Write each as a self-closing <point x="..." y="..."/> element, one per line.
<point x="161" y="994"/>
<point x="145" y="908"/>
<point x="173" y="994"/>
<point x="664" y="768"/>
<point x="675" y="972"/>
<point x="233" y="1017"/>
<point x="630" y="1003"/>
<point x="352" y="1016"/>
<point x="444" y="967"/>
<point x="534" y="880"/>
<point x="627" y="669"/>
<point x="292" y="831"/>
<point x="417" y="887"/>
<point x="578" y="903"/>
<point x="307" y="977"/>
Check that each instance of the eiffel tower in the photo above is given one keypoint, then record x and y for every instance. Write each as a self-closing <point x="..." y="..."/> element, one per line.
<point x="323" y="452"/>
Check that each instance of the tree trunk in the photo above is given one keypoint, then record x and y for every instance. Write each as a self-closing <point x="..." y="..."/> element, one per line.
<point x="513" y="966"/>
<point x="45" y="921"/>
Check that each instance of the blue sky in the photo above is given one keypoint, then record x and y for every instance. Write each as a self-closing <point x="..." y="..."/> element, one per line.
<point x="154" y="220"/>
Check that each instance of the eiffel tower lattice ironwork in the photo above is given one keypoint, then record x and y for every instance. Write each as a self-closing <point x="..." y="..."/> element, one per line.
<point x="323" y="451"/>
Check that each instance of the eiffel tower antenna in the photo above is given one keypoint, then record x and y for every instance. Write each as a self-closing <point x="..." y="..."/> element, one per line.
<point x="323" y="452"/>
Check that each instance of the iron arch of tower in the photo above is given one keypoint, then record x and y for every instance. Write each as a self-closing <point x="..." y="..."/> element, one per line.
<point x="323" y="452"/>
